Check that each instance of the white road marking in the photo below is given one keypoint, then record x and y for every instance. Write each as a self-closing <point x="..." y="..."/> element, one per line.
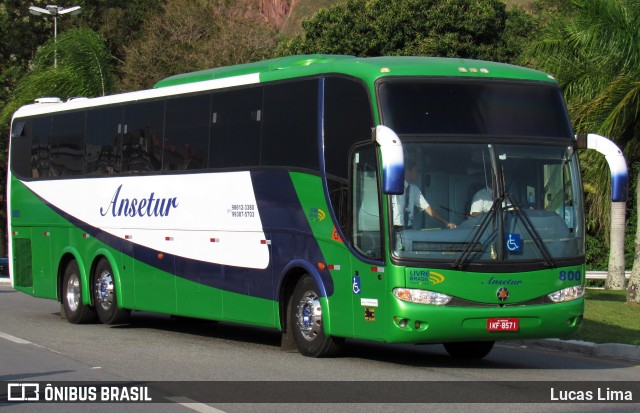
<point x="14" y="339"/>
<point x="198" y="407"/>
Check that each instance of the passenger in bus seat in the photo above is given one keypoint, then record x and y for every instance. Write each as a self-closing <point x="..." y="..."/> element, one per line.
<point x="481" y="202"/>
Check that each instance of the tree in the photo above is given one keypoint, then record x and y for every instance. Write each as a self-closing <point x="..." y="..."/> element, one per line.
<point x="83" y="70"/>
<point x="117" y="22"/>
<point x="194" y="35"/>
<point x="596" y="57"/>
<point x="633" y="289"/>
<point x="454" y="28"/>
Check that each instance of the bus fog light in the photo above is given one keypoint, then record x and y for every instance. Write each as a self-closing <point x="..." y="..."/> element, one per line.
<point x="403" y="323"/>
<point x="421" y="296"/>
<point x="567" y="294"/>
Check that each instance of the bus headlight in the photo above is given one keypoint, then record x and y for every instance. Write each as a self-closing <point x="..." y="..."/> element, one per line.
<point x="567" y="294"/>
<point x="421" y="296"/>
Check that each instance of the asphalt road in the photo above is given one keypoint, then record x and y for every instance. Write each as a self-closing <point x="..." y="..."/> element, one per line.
<point x="36" y="345"/>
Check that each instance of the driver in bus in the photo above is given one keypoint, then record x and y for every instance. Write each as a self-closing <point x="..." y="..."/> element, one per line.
<point x="404" y="205"/>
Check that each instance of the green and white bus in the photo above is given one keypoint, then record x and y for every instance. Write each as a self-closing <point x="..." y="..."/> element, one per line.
<point x="277" y="194"/>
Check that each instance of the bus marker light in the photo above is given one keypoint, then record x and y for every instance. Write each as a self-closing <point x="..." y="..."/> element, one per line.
<point x="128" y="237"/>
<point x="265" y="242"/>
<point x="321" y="266"/>
<point x="214" y="239"/>
<point x="46" y="233"/>
<point x="14" y="232"/>
<point x="168" y="238"/>
<point x="403" y="294"/>
<point x="377" y="269"/>
<point x="86" y="236"/>
<point x="334" y="267"/>
<point x="160" y="256"/>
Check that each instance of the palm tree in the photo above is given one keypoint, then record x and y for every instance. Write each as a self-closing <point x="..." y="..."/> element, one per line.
<point x="82" y="70"/>
<point x="596" y="57"/>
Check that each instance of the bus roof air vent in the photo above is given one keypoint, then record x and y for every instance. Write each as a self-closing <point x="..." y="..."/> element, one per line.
<point x="48" y="100"/>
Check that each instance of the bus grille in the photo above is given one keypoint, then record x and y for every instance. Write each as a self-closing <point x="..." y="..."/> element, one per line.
<point x="22" y="265"/>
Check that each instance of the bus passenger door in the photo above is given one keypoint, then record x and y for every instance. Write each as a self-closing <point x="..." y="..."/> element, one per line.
<point x="367" y="272"/>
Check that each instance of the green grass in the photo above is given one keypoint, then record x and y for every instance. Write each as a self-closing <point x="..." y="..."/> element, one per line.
<point x="608" y="318"/>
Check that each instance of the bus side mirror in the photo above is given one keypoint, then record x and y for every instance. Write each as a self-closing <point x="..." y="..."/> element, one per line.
<point x="615" y="159"/>
<point x="392" y="160"/>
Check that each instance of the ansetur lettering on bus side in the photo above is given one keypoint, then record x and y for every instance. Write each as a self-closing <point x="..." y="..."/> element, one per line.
<point x="148" y="206"/>
<point x="165" y="214"/>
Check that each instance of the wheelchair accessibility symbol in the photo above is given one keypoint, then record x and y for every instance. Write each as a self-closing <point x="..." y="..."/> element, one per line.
<point x="355" y="281"/>
<point x="513" y="243"/>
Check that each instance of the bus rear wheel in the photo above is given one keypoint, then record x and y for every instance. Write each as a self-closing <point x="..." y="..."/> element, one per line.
<point x="469" y="349"/>
<point x="104" y="295"/>
<point x="306" y="317"/>
<point x="75" y="311"/>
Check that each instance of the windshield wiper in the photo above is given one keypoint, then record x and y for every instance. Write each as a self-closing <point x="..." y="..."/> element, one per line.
<point x="528" y="225"/>
<point x="486" y="219"/>
<point x="533" y="233"/>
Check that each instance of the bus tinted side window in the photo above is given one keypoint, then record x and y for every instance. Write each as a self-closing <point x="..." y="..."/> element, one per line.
<point x="290" y="127"/>
<point x="142" y="136"/>
<point x="237" y="122"/>
<point x="21" y="147"/>
<point x="67" y="144"/>
<point x="187" y="132"/>
<point x="347" y="120"/>
<point x="41" y="147"/>
<point x="103" y="151"/>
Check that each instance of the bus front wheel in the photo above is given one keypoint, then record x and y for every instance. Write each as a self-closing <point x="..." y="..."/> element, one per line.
<point x="469" y="349"/>
<point x="306" y="317"/>
<point x="104" y="295"/>
<point x="75" y="311"/>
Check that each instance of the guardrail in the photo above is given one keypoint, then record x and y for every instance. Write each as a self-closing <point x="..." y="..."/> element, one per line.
<point x="602" y="275"/>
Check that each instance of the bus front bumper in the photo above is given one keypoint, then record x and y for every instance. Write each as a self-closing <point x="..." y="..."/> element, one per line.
<point x="421" y="323"/>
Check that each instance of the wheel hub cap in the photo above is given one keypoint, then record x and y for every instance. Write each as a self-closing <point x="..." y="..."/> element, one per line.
<point x="309" y="315"/>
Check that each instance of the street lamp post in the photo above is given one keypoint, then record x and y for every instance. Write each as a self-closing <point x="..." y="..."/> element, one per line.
<point x="55" y="11"/>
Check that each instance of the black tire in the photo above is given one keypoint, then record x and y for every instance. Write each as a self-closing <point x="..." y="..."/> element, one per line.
<point x="470" y="350"/>
<point x="72" y="307"/>
<point x="306" y="322"/>
<point x="104" y="295"/>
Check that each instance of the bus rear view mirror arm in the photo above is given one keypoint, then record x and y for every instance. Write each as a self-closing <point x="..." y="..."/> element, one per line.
<point x="392" y="160"/>
<point x="615" y="159"/>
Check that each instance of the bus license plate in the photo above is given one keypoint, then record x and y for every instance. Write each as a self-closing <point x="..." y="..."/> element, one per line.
<point x="503" y="324"/>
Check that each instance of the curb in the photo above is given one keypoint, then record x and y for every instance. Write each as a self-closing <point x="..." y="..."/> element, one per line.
<point x="5" y="281"/>
<point x="614" y="350"/>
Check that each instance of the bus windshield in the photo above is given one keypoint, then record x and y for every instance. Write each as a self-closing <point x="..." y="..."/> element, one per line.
<point x="468" y="203"/>
<point x="468" y="107"/>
